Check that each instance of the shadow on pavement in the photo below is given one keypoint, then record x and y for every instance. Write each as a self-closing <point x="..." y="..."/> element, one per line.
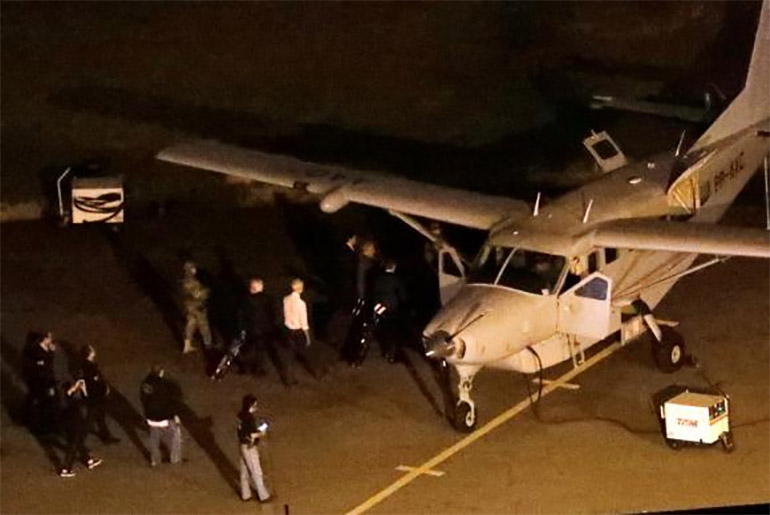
<point x="14" y="399"/>
<point x="200" y="429"/>
<point x="150" y="282"/>
<point x="129" y="420"/>
<point x="117" y="406"/>
<point x="421" y="385"/>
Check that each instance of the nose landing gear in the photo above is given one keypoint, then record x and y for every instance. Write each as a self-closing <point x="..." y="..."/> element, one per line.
<point x="465" y="415"/>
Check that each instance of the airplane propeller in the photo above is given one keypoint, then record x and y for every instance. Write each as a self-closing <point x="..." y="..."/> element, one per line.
<point x="441" y="344"/>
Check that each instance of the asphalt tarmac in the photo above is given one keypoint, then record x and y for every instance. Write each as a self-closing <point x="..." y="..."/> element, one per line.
<point x="336" y="442"/>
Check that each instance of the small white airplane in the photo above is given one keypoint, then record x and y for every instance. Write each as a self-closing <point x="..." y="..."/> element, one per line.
<point x="552" y="280"/>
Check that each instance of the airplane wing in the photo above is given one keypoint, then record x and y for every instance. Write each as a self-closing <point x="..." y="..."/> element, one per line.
<point x="338" y="186"/>
<point x="644" y="234"/>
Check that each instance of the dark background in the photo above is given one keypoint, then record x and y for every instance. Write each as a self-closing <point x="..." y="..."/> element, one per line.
<point x="482" y="95"/>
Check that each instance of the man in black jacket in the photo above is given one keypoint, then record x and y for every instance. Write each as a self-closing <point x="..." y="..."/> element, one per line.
<point x="388" y="311"/>
<point x="356" y="342"/>
<point x="97" y="397"/>
<point x="261" y="327"/>
<point x="75" y="429"/>
<point x="42" y="399"/>
<point x="160" y="400"/>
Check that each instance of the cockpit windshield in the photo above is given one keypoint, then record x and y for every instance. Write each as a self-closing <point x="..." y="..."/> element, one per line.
<point x="526" y="270"/>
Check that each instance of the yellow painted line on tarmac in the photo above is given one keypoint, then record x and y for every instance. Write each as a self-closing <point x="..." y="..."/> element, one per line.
<point x="477" y="434"/>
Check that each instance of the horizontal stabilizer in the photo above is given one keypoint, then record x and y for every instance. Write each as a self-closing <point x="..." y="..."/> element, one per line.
<point x="339" y="186"/>
<point x="682" y="112"/>
<point x="644" y="234"/>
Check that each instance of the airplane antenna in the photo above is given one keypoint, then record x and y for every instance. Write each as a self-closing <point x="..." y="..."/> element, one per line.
<point x="679" y="145"/>
<point x="767" y="196"/>
<point x="536" y="211"/>
<point x="588" y="210"/>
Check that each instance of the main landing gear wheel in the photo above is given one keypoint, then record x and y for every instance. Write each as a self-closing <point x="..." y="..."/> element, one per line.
<point x="465" y="417"/>
<point x="669" y="352"/>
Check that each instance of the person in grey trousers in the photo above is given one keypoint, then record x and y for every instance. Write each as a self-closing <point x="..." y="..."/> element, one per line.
<point x="250" y="430"/>
<point x="160" y="400"/>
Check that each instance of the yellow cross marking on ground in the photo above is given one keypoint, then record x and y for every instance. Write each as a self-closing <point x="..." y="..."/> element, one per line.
<point x="566" y="386"/>
<point x="434" y="473"/>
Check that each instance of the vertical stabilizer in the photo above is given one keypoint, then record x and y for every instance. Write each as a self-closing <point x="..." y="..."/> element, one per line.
<point x="752" y="105"/>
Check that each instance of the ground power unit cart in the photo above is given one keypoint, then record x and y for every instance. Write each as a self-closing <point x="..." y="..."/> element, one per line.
<point x="690" y="417"/>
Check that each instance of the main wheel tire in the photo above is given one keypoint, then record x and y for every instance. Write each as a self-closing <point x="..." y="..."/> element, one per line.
<point x="674" y="444"/>
<point x="669" y="352"/>
<point x="465" y="417"/>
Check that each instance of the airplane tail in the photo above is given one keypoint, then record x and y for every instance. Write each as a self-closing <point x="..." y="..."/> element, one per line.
<point x="752" y="105"/>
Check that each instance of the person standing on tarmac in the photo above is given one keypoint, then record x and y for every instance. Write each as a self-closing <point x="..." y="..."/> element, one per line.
<point x="295" y="320"/>
<point x="161" y="406"/>
<point x="366" y="269"/>
<point x="195" y="297"/>
<point x="43" y="396"/>
<point x="97" y="396"/>
<point x="261" y="327"/>
<point x="388" y="313"/>
<point x="75" y="429"/>
<point x="249" y="433"/>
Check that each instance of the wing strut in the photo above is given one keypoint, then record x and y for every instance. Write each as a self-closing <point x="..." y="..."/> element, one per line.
<point x="715" y="261"/>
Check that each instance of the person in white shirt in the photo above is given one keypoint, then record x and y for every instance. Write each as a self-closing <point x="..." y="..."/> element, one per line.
<point x="295" y="321"/>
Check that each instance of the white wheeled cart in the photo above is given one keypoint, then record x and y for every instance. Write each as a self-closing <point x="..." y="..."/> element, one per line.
<point x="697" y="418"/>
<point x="93" y="199"/>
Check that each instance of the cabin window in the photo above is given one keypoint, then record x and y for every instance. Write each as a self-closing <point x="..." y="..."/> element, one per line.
<point x="610" y="255"/>
<point x="529" y="271"/>
<point x="592" y="262"/>
<point x="705" y="191"/>
<point x="448" y="265"/>
<point x="596" y="288"/>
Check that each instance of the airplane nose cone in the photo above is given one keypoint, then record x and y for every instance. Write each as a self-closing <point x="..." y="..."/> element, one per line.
<point x="439" y="345"/>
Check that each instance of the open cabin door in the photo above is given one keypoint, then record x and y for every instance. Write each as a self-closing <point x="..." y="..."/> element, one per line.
<point x="586" y="308"/>
<point x="451" y="273"/>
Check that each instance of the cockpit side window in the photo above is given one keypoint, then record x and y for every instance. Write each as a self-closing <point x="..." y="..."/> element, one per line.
<point x="596" y="288"/>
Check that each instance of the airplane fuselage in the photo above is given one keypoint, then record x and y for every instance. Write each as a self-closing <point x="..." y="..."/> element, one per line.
<point x="494" y="323"/>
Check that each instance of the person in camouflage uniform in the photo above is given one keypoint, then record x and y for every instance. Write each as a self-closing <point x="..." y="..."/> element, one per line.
<point x="195" y="295"/>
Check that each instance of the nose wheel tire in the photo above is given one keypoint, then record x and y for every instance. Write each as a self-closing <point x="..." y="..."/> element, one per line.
<point x="465" y="417"/>
<point x="669" y="352"/>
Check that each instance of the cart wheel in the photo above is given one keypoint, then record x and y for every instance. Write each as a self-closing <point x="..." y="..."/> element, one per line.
<point x="669" y="352"/>
<point x="727" y="442"/>
<point x="674" y="444"/>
